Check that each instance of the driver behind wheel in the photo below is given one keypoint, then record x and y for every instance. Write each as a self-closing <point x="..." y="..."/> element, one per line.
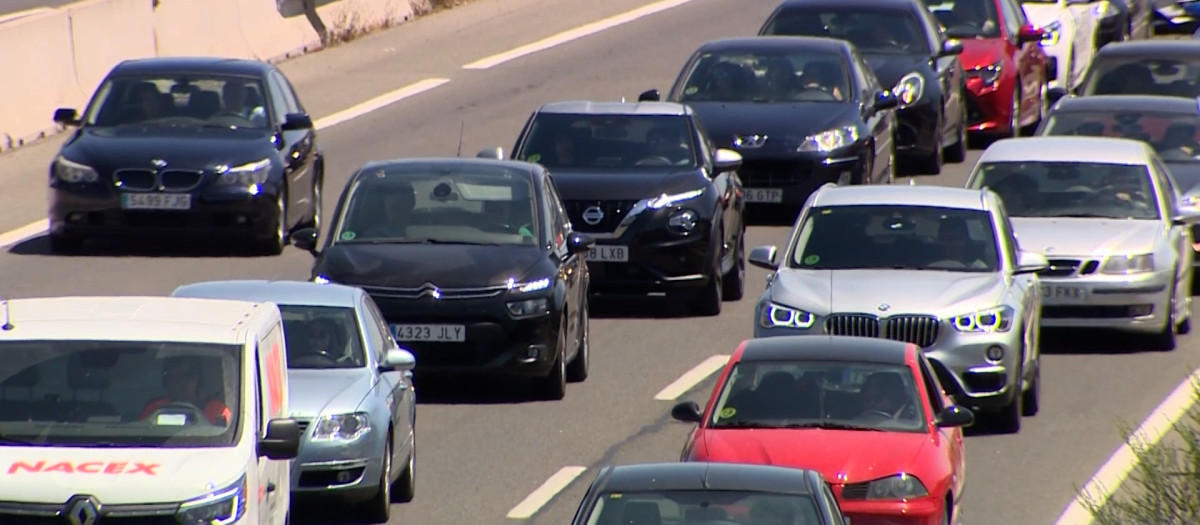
<point x="233" y="97"/>
<point x="823" y="76"/>
<point x="666" y="142"/>
<point x="883" y="394"/>
<point x="181" y="379"/>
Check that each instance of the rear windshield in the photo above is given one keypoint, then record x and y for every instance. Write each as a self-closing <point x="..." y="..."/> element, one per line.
<point x="1143" y="76"/>
<point x="1070" y="189"/>
<point x="886" y="31"/>
<point x="1176" y="137"/>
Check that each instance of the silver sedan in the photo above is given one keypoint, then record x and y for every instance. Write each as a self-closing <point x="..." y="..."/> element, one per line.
<point x="933" y="266"/>
<point x="1106" y="213"/>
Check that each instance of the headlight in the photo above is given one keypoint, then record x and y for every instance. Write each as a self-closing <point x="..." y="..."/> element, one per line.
<point x="1052" y="31"/>
<point x="221" y="507"/>
<point x="321" y="279"/>
<point x="244" y="175"/>
<point x="988" y="75"/>
<point x="1127" y="264"/>
<point x="827" y="141"/>
<point x="783" y="317"/>
<point x="664" y="200"/>
<point x="529" y="307"/>
<point x="997" y="319"/>
<point x="682" y="221"/>
<point x="1189" y="201"/>
<point x="900" y="486"/>
<point x="341" y="427"/>
<point x="73" y="172"/>
<point x="909" y="89"/>
<point x="531" y="286"/>
<point x="1101" y="9"/>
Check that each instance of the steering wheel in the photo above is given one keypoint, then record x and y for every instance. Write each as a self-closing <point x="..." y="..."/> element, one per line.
<point x="654" y="161"/>
<point x="236" y="119"/>
<point x="879" y="413"/>
<point x="195" y="415"/>
<point x="822" y="94"/>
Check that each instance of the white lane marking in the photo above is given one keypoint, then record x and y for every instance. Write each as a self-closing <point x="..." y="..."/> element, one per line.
<point x="542" y="495"/>
<point x="1108" y="479"/>
<point x="692" y="378"/>
<point x="574" y="34"/>
<point x="38" y="228"/>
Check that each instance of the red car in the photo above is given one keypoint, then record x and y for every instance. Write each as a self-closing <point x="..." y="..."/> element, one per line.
<point x="1007" y="71"/>
<point x="869" y="414"/>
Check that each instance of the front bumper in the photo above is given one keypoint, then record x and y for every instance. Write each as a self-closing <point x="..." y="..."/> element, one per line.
<point x="1136" y="303"/>
<point x="919" y="511"/>
<point x="790" y="181"/>
<point x="1060" y="61"/>
<point x="95" y="211"/>
<point x="990" y="106"/>
<point x="344" y="470"/>
<point x="917" y="129"/>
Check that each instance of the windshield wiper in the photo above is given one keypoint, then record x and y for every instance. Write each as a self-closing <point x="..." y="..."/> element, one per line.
<point x="1084" y="216"/>
<point x="745" y="424"/>
<point x="832" y="425"/>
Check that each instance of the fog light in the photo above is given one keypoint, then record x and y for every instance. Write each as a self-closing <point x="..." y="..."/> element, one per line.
<point x="994" y="353"/>
<point x="1141" y="310"/>
<point x="532" y="353"/>
<point x="345" y="476"/>
<point x="75" y="216"/>
<point x="240" y="219"/>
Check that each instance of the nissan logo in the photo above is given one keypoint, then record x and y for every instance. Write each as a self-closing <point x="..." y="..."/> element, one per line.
<point x="593" y="215"/>
<point x="84" y="510"/>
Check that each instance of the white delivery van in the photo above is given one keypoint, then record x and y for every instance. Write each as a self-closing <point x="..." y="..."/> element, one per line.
<point x="144" y="410"/>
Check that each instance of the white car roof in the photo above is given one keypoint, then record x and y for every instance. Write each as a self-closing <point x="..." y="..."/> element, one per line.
<point x="901" y="195"/>
<point x="1106" y="150"/>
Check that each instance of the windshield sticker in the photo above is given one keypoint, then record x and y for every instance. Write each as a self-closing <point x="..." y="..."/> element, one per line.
<point x="691" y="90"/>
<point x="812" y="259"/>
<point x="534" y="158"/>
<point x="728" y="412"/>
<point x="615" y="495"/>
<point x="90" y="467"/>
<point x="174" y="420"/>
<point x="349" y="236"/>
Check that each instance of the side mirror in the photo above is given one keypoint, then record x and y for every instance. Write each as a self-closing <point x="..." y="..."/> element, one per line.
<point x="951" y="47"/>
<point x="282" y="440"/>
<point x="1185" y="216"/>
<point x="305" y="239"/>
<point x="66" y="116"/>
<point x="398" y="359"/>
<point x="688" y="412"/>
<point x="727" y="160"/>
<point x="1030" y="33"/>
<point x="496" y="153"/>
<point x="650" y="95"/>
<point x="954" y="416"/>
<point x="764" y="257"/>
<point x="579" y="243"/>
<point x="1055" y="94"/>
<point x="297" y="121"/>
<point x="885" y="100"/>
<point x="1030" y="262"/>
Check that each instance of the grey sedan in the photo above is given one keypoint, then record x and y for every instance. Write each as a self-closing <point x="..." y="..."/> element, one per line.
<point x="936" y="267"/>
<point x="350" y="386"/>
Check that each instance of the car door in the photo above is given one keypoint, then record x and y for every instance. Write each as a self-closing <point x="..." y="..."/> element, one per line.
<point x="394" y="386"/>
<point x="1031" y="63"/>
<point x="950" y="74"/>
<point x="298" y="148"/>
<point x="725" y="183"/>
<point x="273" y="475"/>
<point x="951" y="442"/>
<point x="1180" y="235"/>
<point x="572" y="268"/>
<point x="879" y="122"/>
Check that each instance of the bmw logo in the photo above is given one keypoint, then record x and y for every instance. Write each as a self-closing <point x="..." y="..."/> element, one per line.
<point x="593" y="215"/>
<point x="883" y="307"/>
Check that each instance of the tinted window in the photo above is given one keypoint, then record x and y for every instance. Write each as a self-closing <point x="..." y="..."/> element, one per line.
<point x="703" y="507"/>
<point x="966" y="18"/>
<point x="871" y="32"/>
<point x="322" y="337"/>
<point x="775" y="394"/>
<point x="654" y="142"/>
<point x="466" y="205"/>
<point x="186" y="100"/>
<point x="743" y="76"/>
<point x="1175" y="136"/>
<point x="896" y="237"/>
<point x="932" y="388"/>
<point x="1071" y="189"/>
<point x="1142" y="76"/>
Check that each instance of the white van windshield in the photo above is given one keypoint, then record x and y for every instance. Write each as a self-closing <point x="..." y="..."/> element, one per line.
<point x="119" y="393"/>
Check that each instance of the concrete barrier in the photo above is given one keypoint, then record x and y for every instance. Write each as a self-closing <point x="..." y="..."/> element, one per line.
<point x="350" y="18"/>
<point x="39" y="75"/>
<point x="99" y="45"/>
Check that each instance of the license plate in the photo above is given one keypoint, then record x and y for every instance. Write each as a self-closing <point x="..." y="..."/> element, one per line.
<point x="764" y="195"/>
<point x="436" y="333"/>
<point x="608" y="253"/>
<point x="156" y="201"/>
<point x="1063" y="293"/>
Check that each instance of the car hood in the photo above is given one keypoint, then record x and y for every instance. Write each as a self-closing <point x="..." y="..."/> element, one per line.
<point x="1056" y="237"/>
<point x="781" y="123"/>
<point x="982" y="52"/>
<point x="930" y="292"/>
<point x="1043" y="14"/>
<point x="312" y="393"/>
<point x="190" y="148"/>
<point x="890" y="68"/>
<point x="54" y="474"/>
<point x="850" y="456"/>
<point x="411" y="265"/>
<point x="626" y="184"/>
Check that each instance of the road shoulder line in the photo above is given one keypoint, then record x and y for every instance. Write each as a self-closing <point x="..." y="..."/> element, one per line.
<point x="544" y="493"/>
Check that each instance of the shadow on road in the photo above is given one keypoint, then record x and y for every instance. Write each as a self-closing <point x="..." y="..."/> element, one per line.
<point x="649" y="307"/>
<point x="447" y="389"/>
<point x="1092" y="342"/>
<point x="157" y="248"/>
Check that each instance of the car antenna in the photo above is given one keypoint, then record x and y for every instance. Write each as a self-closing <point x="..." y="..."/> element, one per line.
<point x="461" y="128"/>
<point x="7" y="315"/>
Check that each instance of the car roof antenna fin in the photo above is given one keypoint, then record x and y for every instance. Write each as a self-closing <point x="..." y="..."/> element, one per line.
<point x="461" y="128"/>
<point x="7" y="315"/>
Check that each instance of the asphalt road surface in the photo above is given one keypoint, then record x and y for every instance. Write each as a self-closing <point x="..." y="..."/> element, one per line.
<point x="484" y="450"/>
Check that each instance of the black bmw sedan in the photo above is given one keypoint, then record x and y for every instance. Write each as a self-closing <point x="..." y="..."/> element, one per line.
<point x="202" y="147"/>
<point x="666" y="207"/>
<point x="802" y="112"/>
<point x="905" y="48"/>
<point x="472" y="263"/>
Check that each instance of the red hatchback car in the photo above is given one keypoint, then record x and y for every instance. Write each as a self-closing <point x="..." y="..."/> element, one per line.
<point x="869" y="414"/>
<point x="1007" y="71"/>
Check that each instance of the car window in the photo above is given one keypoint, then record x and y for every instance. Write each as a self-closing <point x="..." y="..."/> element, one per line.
<point x="896" y="237"/>
<point x="768" y="76"/>
<point x="1006" y="234"/>
<point x="831" y="502"/>
<point x="1142" y="76"/>
<point x="885" y="31"/>
<point x="289" y="93"/>
<point x="1168" y="195"/>
<point x="1071" y="189"/>
<point x="966" y="18"/>
<point x="703" y="506"/>
<point x="1176" y="137"/>
<point x="377" y="331"/>
<point x="932" y="388"/>
<point x="321" y="337"/>
<point x="603" y="142"/>
<point x="560" y="222"/>
<point x="872" y="84"/>
<point x="773" y="394"/>
<point x="191" y="100"/>
<point x="278" y="101"/>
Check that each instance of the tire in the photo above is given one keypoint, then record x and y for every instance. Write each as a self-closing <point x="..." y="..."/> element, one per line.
<point x="65" y="244"/>
<point x="957" y="152"/>
<point x="405" y="487"/>
<point x="553" y="386"/>
<point x="577" y="369"/>
<point x="378" y="509"/>
<point x="707" y="302"/>
<point x="1017" y="106"/>
<point x="891" y="174"/>
<point x="278" y="240"/>
<point x="1008" y="420"/>
<point x="733" y="284"/>
<point x="1164" y="341"/>
<point x="315" y="221"/>
<point x="931" y="163"/>
<point x="1032" y="397"/>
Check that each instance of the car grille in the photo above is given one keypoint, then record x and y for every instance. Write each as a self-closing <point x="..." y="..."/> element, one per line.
<point x="855" y="491"/>
<point x="148" y="180"/>
<point x="135" y="180"/>
<point x="430" y="291"/>
<point x="12" y="513"/>
<point x="179" y="180"/>
<point x="614" y="213"/>
<point x="974" y="112"/>
<point x="772" y="174"/>
<point x="1068" y="267"/>
<point x="920" y="330"/>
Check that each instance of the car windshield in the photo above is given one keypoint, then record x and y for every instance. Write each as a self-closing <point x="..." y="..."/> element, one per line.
<point x="746" y="76"/>
<point x="966" y="18"/>
<point x="607" y="142"/>
<point x="802" y="394"/>
<point x="186" y="100"/>
<point x="462" y="205"/>
<point x="1175" y="136"/>
<point x="703" y="507"/>
<point x="1070" y="189"/>
<point x="896" y="237"/>
<point x="1142" y="76"/>
<point x="887" y="31"/>
<point x="322" y="337"/>
<point x="119" y="394"/>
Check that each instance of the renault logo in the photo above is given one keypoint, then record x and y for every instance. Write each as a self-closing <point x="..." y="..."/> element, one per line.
<point x="83" y="510"/>
<point x="429" y="290"/>
<point x="593" y="215"/>
<point x="749" y="141"/>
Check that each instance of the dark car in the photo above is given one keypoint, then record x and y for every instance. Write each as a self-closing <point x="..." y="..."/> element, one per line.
<point x="665" y="206"/>
<point x="904" y="45"/>
<point x="708" y="493"/>
<point x="802" y="111"/>
<point x="472" y="262"/>
<point x="1170" y="124"/>
<point x="1144" y="67"/>
<point x="187" y="147"/>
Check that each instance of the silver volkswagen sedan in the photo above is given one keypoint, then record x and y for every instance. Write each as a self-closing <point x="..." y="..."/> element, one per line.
<point x="933" y="266"/>
<point x="350" y="386"/>
<point x="1106" y="213"/>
